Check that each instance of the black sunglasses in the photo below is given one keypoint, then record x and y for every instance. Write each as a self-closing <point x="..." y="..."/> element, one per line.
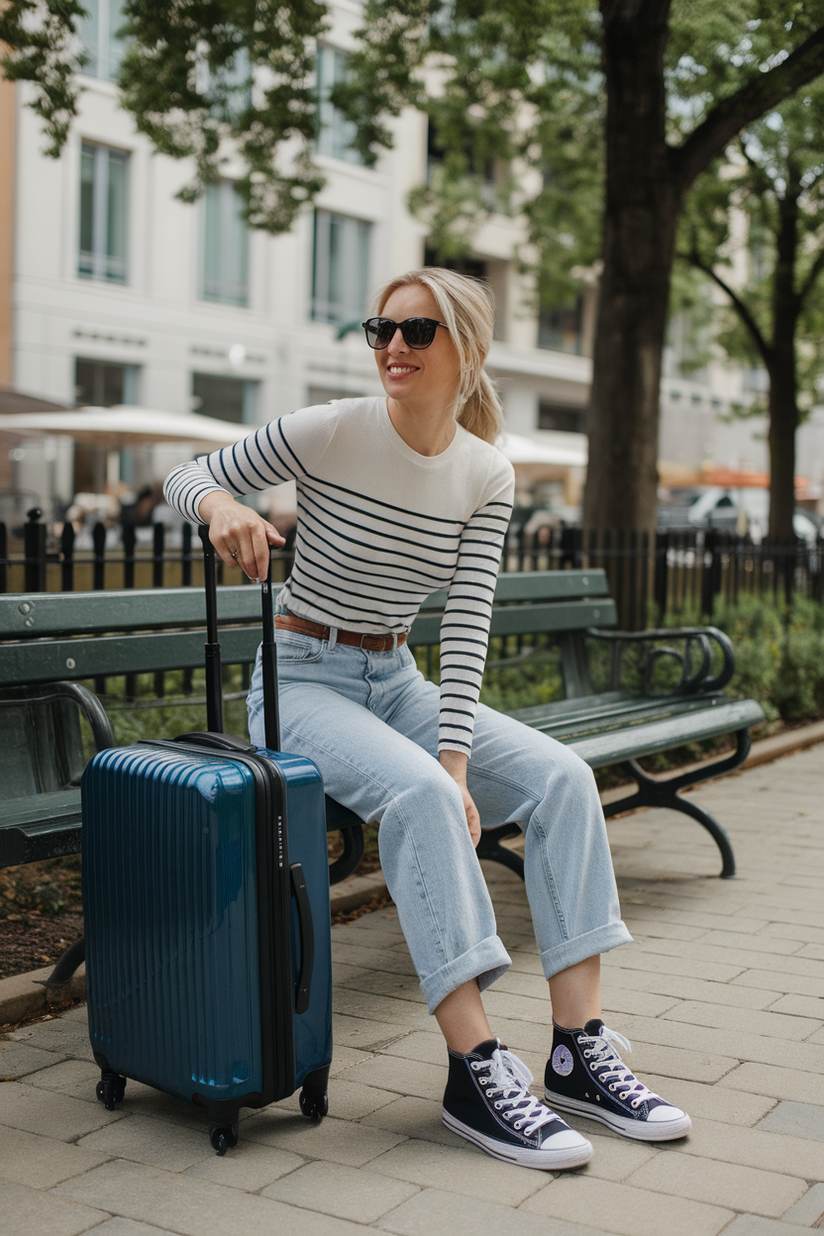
<point x="418" y="333"/>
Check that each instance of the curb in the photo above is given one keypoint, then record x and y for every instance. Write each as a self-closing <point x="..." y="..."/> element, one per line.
<point x="24" y="996"/>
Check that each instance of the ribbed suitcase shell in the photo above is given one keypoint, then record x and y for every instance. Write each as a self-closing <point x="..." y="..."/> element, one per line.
<point x="192" y="934"/>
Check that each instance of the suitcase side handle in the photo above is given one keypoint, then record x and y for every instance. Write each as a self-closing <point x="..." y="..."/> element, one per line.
<point x="307" y="938"/>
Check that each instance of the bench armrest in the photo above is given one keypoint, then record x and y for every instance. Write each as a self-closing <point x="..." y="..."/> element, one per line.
<point x="693" y="681"/>
<point x="92" y="710"/>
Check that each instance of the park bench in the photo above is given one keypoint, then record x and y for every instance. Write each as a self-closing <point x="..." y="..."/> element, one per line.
<point x="50" y="644"/>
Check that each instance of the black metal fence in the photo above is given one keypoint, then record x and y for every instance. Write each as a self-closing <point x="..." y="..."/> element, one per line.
<point x="650" y="577"/>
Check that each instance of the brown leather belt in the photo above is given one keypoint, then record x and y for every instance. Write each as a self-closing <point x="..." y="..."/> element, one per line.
<point x="372" y="643"/>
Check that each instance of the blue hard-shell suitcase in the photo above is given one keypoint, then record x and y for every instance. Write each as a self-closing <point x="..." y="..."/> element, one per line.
<point x="206" y="899"/>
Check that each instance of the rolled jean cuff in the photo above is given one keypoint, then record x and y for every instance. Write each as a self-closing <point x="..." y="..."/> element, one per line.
<point x="485" y="961"/>
<point x="592" y="943"/>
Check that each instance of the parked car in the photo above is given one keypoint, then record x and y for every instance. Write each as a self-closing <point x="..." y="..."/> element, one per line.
<point x="745" y="511"/>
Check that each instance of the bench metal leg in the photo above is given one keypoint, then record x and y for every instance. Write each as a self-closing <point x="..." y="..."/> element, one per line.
<point x="73" y="957"/>
<point x="663" y="792"/>
<point x="490" y="847"/>
<point x="349" y="860"/>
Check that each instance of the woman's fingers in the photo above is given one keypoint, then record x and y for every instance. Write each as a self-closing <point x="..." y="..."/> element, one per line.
<point x="241" y="537"/>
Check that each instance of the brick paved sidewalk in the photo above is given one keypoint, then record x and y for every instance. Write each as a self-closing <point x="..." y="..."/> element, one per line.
<point x="722" y="995"/>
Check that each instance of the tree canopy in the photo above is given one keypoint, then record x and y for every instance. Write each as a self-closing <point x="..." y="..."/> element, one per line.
<point x="756" y="228"/>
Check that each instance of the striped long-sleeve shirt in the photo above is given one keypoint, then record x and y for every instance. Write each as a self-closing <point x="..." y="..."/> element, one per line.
<point x="380" y="527"/>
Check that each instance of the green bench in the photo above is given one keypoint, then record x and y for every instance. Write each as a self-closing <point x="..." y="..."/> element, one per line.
<point x="51" y="643"/>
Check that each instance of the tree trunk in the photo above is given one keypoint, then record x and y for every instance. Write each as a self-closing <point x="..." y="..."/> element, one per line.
<point x="783" y="403"/>
<point x="643" y="202"/>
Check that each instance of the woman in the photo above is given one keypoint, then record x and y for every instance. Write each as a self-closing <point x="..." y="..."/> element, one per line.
<point x="397" y="497"/>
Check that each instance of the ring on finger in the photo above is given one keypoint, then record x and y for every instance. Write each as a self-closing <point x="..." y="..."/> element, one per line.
<point x="233" y="552"/>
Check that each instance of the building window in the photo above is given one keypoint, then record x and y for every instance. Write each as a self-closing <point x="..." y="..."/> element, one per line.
<point x="104" y="176"/>
<point x="227" y="399"/>
<point x="98" y="30"/>
<point x="559" y="330"/>
<point x="564" y="418"/>
<point x="335" y="131"/>
<point x="102" y="385"/>
<point x="340" y="268"/>
<point x="225" y="245"/>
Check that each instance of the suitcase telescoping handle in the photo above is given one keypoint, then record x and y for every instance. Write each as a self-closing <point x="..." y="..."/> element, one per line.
<point x="214" y="685"/>
<point x="271" y="721"/>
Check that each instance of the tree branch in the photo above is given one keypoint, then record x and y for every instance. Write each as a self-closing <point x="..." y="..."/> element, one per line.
<point x="741" y="309"/>
<point x="813" y="273"/>
<point x="748" y="103"/>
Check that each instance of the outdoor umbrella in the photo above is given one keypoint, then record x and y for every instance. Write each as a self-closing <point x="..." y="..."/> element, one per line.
<point x="124" y="427"/>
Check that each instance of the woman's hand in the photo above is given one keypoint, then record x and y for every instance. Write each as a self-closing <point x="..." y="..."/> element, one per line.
<point x="455" y="763"/>
<point x="241" y="536"/>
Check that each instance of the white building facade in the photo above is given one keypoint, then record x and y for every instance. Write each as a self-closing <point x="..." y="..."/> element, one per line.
<point x="121" y="293"/>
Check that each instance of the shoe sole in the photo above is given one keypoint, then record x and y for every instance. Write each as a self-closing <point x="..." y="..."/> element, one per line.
<point x="639" y="1130"/>
<point x="544" y="1159"/>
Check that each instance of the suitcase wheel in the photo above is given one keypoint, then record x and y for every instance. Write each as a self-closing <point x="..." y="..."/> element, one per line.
<point x="110" y="1089"/>
<point x="222" y="1137"/>
<point x="314" y="1106"/>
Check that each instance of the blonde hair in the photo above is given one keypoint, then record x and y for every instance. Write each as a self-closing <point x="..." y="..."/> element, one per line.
<point x="467" y="308"/>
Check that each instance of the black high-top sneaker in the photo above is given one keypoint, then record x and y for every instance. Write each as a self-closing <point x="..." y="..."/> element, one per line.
<point x="585" y="1075"/>
<point x="488" y="1102"/>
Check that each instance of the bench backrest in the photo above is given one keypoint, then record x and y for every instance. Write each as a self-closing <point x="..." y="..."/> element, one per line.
<point x="45" y="637"/>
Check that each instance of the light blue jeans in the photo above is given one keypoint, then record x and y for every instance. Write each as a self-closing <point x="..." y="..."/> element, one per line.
<point x="369" y="720"/>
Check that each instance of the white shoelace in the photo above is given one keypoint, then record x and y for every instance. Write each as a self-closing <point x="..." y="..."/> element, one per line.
<point x="611" y="1068"/>
<point x="507" y="1087"/>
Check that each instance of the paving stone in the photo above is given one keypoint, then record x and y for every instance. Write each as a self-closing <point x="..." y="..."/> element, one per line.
<point x="143" y="1140"/>
<point x="770" y="1152"/>
<point x="411" y="1117"/>
<point x="52" y="1115"/>
<point x="347" y="1192"/>
<point x="755" y="1225"/>
<point x="797" y="1120"/>
<point x="433" y="1211"/>
<point x="779" y="1083"/>
<point x="33" y="1212"/>
<point x="460" y="1168"/>
<point x="626" y="1210"/>
<point x="250" y="1168"/>
<point x="189" y="1206"/>
<point x="664" y="1032"/>
<point x="349" y="1003"/>
<point x="127" y="1227"/>
<point x="402" y="1076"/>
<point x="41" y="1162"/>
<point x="381" y="983"/>
<point x="365" y="1032"/>
<point x="346" y="1058"/>
<point x="808" y="1211"/>
<point x="338" y="1141"/>
<point x="649" y="962"/>
<point x="775" y="980"/>
<point x="714" y="993"/>
<point x="721" y="1184"/>
<point x="427" y="1048"/>
<point x="800" y="1006"/>
<point x="723" y="1018"/>
<point x="19" y="1059"/>
<point x="614" y="1157"/>
<point x="815" y="951"/>
<point x="67" y="1038"/>
<point x="77" y="1078"/>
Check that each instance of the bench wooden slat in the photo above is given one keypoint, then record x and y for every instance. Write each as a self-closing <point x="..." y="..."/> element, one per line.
<point x="616" y="744"/>
<point x="77" y="613"/>
<point x="46" y="661"/>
